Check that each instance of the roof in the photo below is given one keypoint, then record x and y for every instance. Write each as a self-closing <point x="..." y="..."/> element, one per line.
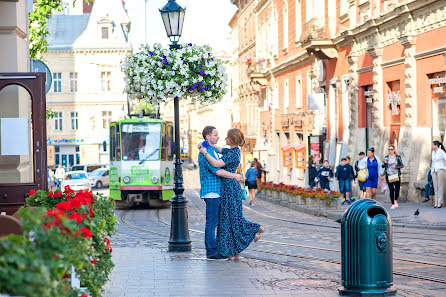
<point x="65" y="29"/>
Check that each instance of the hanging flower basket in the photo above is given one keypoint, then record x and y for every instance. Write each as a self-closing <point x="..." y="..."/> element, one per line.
<point x="156" y="74"/>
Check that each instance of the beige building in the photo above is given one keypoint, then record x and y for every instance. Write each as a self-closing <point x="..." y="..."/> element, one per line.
<point x="84" y="55"/>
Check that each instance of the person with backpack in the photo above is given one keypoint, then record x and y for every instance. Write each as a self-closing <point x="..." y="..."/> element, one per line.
<point x="360" y="164"/>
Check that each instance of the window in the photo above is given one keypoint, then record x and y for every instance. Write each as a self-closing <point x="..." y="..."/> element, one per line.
<point x="73" y="82"/>
<point x="58" y="120"/>
<point x="276" y="96"/>
<point x="106" y="119"/>
<point x="57" y="82"/>
<point x="315" y="8"/>
<point x="104" y="32"/>
<point x="298" y="19"/>
<point x="286" y="96"/>
<point x="344" y="7"/>
<point x="299" y="92"/>
<point x="106" y="80"/>
<point x="74" y="121"/>
<point x="285" y="25"/>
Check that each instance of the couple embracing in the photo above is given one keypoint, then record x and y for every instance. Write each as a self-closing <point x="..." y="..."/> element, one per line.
<point x="223" y="196"/>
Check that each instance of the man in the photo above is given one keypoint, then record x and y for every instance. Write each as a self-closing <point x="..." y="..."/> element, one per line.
<point x="360" y="164"/>
<point x="210" y="191"/>
<point x="352" y="172"/>
<point x="60" y="175"/>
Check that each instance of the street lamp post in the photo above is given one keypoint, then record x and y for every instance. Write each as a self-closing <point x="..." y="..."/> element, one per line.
<point x="173" y="17"/>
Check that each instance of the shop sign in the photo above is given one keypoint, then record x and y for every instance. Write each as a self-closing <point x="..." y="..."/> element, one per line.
<point x="316" y="101"/>
<point x="314" y="146"/>
<point x="394" y="99"/>
<point x="438" y="90"/>
<point x="64" y="141"/>
<point x="437" y="80"/>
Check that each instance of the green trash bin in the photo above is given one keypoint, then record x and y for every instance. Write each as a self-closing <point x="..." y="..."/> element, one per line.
<point x="366" y="247"/>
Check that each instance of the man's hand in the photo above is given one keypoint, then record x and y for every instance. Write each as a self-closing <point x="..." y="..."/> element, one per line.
<point x="199" y="145"/>
<point x="203" y="150"/>
<point x="239" y="178"/>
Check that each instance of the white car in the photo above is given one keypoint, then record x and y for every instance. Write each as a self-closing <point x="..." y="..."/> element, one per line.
<point x="99" y="178"/>
<point x="77" y="180"/>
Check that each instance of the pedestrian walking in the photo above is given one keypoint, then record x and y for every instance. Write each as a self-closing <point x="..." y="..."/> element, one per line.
<point x="312" y="171"/>
<point x="60" y="176"/>
<point x="352" y="173"/>
<point x="251" y="180"/>
<point x="361" y="164"/>
<point x="392" y="165"/>
<point x="438" y="172"/>
<point x="428" y="187"/>
<point x="324" y="175"/>
<point x="259" y="168"/>
<point x="234" y="232"/>
<point x="210" y="182"/>
<point x="51" y="178"/>
<point x="344" y="176"/>
<point x="374" y="168"/>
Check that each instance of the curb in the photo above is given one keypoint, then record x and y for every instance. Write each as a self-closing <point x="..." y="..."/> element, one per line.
<point x="334" y="215"/>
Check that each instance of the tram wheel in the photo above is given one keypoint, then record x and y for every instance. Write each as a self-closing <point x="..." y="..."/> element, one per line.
<point x="155" y="203"/>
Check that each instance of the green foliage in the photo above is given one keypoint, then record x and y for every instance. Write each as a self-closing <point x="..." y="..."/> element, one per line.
<point x="60" y="230"/>
<point x="50" y="114"/>
<point x="146" y="106"/>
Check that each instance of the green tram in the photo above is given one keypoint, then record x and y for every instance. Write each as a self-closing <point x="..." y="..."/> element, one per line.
<point x="141" y="162"/>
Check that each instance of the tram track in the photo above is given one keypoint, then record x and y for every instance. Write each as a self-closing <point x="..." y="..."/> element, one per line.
<point x="122" y="219"/>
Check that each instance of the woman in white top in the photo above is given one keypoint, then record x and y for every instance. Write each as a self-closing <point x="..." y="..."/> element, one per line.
<point x="438" y="172"/>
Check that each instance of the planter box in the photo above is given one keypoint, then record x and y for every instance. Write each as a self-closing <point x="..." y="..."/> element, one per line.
<point x="335" y="204"/>
<point x="312" y="202"/>
<point x="283" y="196"/>
<point x="322" y="204"/>
<point x="275" y="195"/>
<point x="291" y="198"/>
<point x="263" y="192"/>
<point x="268" y="193"/>
<point x="300" y="200"/>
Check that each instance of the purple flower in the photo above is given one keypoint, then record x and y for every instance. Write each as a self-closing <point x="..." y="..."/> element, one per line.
<point x="194" y="86"/>
<point x="202" y="59"/>
<point x="201" y="66"/>
<point x="201" y="83"/>
<point x="209" y="54"/>
<point x="165" y="62"/>
<point x="184" y="62"/>
<point x="206" y="87"/>
<point x="150" y="53"/>
<point x="212" y="59"/>
<point x="201" y="72"/>
<point x="189" y="44"/>
<point x="200" y="90"/>
<point x="164" y="57"/>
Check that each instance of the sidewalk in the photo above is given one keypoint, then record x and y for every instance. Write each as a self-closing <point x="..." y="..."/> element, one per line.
<point x="403" y="216"/>
<point x="146" y="271"/>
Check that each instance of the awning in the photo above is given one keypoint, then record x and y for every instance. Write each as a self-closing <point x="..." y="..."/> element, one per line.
<point x="291" y="147"/>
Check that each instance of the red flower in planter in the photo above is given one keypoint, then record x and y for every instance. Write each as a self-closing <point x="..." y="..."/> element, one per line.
<point x="57" y="194"/>
<point x="86" y="232"/>
<point x="32" y="192"/>
<point x="64" y="206"/>
<point x="107" y="241"/>
<point x="76" y="216"/>
<point x="94" y="261"/>
<point x="68" y="190"/>
<point x="50" y="194"/>
<point x="91" y="214"/>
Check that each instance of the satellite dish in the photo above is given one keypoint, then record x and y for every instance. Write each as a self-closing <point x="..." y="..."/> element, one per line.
<point x="38" y="66"/>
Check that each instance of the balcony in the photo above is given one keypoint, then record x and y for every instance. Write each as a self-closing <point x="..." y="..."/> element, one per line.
<point x="315" y="39"/>
<point x="256" y="72"/>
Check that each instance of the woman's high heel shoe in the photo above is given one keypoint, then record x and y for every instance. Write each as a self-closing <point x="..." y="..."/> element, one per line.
<point x="259" y="234"/>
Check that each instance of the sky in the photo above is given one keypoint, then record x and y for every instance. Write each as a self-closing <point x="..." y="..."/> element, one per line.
<point x="205" y="22"/>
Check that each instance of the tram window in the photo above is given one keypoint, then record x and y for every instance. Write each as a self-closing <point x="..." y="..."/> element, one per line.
<point x="141" y="141"/>
<point x="112" y="143"/>
<point x="170" y="148"/>
<point x="164" y="146"/>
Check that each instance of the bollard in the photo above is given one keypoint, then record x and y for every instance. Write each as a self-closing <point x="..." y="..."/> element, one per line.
<point x="366" y="250"/>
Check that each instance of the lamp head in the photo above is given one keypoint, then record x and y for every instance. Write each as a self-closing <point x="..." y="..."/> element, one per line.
<point x="173" y="18"/>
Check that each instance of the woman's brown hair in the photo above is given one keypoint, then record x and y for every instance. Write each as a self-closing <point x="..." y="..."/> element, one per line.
<point x="236" y="137"/>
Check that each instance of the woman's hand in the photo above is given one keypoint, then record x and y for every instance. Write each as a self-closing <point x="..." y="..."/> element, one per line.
<point x="199" y="144"/>
<point x="382" y="177"/>
<point x="386" y="161"/>
<point x="203" y="150"/>
<point x="393" y="166"/>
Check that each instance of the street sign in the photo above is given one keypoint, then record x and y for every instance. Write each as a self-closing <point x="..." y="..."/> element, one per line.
<point x="38" y="66"/>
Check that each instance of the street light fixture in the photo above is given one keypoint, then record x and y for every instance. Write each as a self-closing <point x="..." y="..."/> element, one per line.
<point x="173" y="18"/>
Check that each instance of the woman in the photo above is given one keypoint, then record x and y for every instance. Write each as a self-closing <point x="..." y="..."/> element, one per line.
<point x="234" y="232"/>
<point x="259" y="168"/>
<point x="392" y="170"/>
<point x="312" y="171"/>
<point x="438" y="170"/>
<point x="251" y="180"/>
<point x="374" y="168"/>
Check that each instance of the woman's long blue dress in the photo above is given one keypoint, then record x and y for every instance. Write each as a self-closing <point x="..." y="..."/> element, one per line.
<point x="234" y="232"/>
<point x="372" y="179"/>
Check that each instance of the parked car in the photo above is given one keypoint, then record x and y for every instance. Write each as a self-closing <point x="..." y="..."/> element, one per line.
<point x="99" y="178"/>
<point x="77" y="180"/>
<point x="87" y="168"/>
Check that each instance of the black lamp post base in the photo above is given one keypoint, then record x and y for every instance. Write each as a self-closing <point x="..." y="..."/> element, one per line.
<point x="369" y="292"/>
<point x="180" y="247"/>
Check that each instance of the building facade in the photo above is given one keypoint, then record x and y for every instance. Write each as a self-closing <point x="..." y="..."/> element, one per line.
<point x="85" y="52"/>
<point x="336" y="77"/>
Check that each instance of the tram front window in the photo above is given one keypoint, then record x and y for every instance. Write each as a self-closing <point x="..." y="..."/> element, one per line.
<point x="141" y="141"/>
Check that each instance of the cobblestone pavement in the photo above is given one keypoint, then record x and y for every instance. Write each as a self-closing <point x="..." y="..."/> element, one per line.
<point x="299" y="255"/>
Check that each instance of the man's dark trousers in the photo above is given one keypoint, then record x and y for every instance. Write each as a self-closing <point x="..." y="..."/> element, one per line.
<point x="212" y="208"/>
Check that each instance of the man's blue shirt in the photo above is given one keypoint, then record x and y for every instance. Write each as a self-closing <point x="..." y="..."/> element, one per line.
<point x="251" y="174"/>
<point x="210" y="183"/>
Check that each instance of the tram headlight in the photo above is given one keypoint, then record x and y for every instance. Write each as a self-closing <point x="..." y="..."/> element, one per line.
<point x="154" y="179"/>
<point x="126" y="179"/>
